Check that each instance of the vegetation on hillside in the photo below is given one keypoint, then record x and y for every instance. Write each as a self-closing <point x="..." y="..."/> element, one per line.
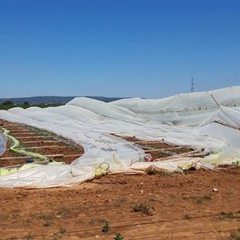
<point x="10" y="104"/>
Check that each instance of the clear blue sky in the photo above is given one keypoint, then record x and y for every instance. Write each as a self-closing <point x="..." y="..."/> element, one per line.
<point x="117" y="48"/>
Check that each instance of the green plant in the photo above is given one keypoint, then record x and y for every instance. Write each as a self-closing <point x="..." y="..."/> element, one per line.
<point x="44" y="216"/>
<point x="27" y="223"/>
<point x="206" y="197"/>
<point x="64" y="213"/>
<point x="118" y="237"/>
<point x="47" y="218"/>
<point x="16" y="215"/>
<point x="47" y="223"/>
<point x="4" y="217"/>
<point x="236" y="164"/>
<point x="186" y="216"/>
<point x="91" y="221"/>
<point x="59" y="234"/>
<point x="146" y="210"/>
<point x="79" y="221"/>
<point x="119" y="202"/>
<point x="29" y="237"/>
<point x="235" y="235"/>
<point x="96" y="221"/>
<point x="152" y="200"/>
<point x="105" y="227"/>
<point x="228" y="215"/>
<point x="160" y="172"/>
<point x="62" y="231"/>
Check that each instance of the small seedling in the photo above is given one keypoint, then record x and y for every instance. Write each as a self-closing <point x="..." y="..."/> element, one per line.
<point x="59" y="234"/>
<point x="27" y="222"/>
<point x="228" y="215"/>
<point x="29" y="237"/>
<point x="4" y="217"/>
<point x="160" y="172"/>
<point x="236" y="164"/>
<point x="64" y="213"/>
<point x="118" y="237"/>
<point x="62" y="231"/>
<point x="96" y="221"/>
<point x="186" y="216"/>
<point x="146" y="210"/>
<point x="119" y="202"/>
<point x="206" y="197"/>
<point x="45" y="217"/>
<point x="91" y="221"/>
<point x="47" y="224"/>
<point x="105" y="227"/>
<point x="152" y="200"/>
<point x="235" y="235"/>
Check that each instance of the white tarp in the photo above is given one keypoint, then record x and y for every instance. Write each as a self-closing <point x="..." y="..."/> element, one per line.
<point x="2" y="144"/>
<point x="193" y="120"/>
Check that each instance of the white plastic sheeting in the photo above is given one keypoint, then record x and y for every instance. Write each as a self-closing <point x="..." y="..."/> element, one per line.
<point x="193" y="120"/>
<point x="201" y="100"/>
<point x="2" y="144"/>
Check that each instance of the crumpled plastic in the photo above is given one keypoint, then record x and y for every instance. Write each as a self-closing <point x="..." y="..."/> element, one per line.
<point x="3" y="143"/>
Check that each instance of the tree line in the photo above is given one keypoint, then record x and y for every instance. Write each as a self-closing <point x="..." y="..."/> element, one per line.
<point x="10" y="104"/>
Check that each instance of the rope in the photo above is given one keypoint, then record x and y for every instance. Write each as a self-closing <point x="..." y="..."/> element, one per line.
<point x="17" y="149"/>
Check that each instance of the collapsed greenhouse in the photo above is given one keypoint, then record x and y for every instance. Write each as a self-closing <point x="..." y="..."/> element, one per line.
<point x="208" y="123"/>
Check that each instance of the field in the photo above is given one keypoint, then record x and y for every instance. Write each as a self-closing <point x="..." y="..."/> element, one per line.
<point x="199" y="204"/>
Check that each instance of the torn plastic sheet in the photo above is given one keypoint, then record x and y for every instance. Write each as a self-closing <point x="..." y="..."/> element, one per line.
<point x="3" y="143"/>
<point x="193" y="120"/>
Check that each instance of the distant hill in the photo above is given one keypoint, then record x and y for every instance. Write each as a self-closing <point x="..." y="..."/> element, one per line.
<point x="52" y="99"/>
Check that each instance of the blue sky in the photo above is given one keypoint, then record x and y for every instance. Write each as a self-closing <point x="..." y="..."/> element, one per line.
<point x="117" y="48"/>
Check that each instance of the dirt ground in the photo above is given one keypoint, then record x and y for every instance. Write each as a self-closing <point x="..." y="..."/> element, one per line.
<point x="197" y="205"/>
<point x="194" y="205"/>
